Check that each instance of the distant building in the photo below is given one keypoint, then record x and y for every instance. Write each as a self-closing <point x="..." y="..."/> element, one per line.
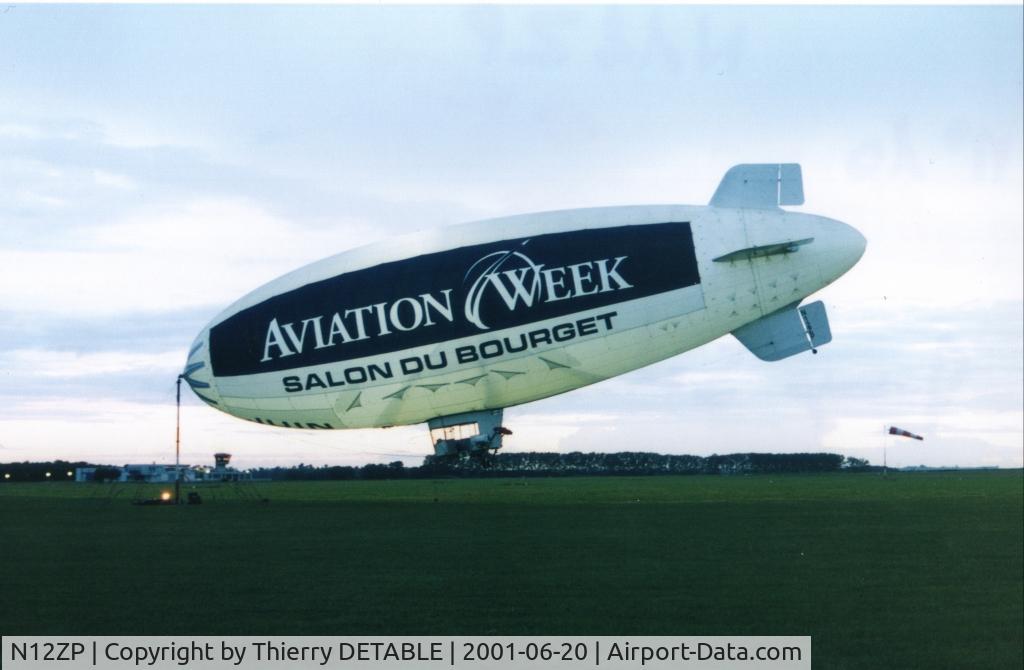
<point x="85" y="474"/>
<point x="946" y="468"/>
<point x="223" y="472"/>
<point x="156" y="473"/>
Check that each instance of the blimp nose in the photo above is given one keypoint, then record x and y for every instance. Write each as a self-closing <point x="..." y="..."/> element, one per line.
<point x="845" y="246"/>
<point x="198" y="373"/>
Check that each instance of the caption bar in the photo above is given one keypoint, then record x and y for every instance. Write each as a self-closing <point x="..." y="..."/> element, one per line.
<point x="394" y="653"/>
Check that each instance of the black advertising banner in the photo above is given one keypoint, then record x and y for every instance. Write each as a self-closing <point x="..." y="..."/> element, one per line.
<point x="452" y="294"/>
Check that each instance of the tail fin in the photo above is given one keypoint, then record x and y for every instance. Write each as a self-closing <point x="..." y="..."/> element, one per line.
<point x="786" y="332"/>
<point x="760" y="186"/>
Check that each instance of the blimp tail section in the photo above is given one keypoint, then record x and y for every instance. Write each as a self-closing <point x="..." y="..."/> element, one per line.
<point x="787" y="332"/>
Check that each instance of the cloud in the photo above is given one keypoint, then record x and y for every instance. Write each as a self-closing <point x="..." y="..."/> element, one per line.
<point x="135" y="330"/>
<point x="68" y="364"/>
<point x="119" y="181"/>
<point x="36" y="131"/>
<point x="203" y="252"/>
<point x="536" y="430"/>
<point x="728" y="379"/>
<point x="87" y="168"/>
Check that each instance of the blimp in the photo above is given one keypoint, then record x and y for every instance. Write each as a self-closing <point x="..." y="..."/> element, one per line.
<point x="449" y="327"/>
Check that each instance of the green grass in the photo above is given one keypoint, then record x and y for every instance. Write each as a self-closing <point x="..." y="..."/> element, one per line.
<point x="916" y="570"/>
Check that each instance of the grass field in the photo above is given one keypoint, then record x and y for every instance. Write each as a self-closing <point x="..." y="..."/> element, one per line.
<point x="916" y="570"/>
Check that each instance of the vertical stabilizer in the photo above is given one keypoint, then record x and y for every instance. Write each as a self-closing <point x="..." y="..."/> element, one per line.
<point x="760" y="186"/>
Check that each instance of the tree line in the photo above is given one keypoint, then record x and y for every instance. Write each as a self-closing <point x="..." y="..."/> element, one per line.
<point x="511" y="464"/>
<point x="573" y="464"/>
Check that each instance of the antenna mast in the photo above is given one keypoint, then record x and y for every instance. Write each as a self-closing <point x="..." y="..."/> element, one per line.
<point x="177" y="447"/>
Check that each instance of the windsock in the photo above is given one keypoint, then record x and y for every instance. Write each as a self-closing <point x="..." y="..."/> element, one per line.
<point x="893" y="430"/>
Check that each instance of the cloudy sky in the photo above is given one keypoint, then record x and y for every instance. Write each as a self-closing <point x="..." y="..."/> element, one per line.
<point x="158" y="162"/>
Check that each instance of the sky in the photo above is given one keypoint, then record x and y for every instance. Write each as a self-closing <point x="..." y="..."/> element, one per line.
<point x="157" y="162"/>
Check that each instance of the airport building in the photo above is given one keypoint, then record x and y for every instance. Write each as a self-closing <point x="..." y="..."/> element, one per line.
<point x="155" y="473"/>
<point x="158" y="473"/>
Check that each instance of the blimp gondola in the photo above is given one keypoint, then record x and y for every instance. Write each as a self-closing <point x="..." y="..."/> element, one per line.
<point x="451" y="326"/>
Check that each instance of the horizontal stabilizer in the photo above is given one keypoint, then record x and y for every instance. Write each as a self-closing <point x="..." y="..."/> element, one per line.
<point x="763" y="250"/>
<point x="760" y="186"/>
<point x="786" y="332"/>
